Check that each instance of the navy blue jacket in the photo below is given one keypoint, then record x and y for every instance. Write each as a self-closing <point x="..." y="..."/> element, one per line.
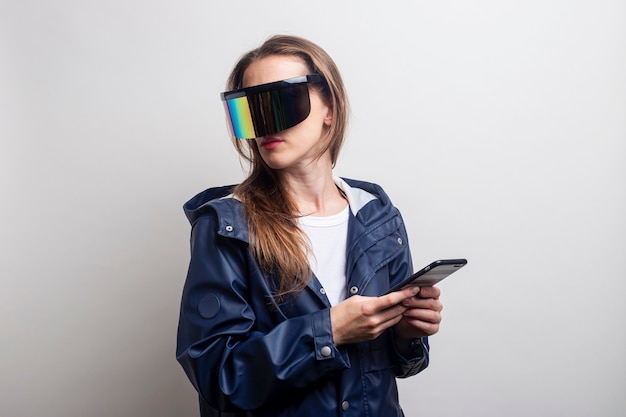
<point x="247" y="355"/>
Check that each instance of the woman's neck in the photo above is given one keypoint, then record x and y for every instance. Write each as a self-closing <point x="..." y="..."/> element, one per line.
<point x="313" y="190"/>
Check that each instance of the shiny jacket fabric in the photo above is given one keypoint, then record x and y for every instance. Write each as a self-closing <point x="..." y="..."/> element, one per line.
<point x="247" y="355"/>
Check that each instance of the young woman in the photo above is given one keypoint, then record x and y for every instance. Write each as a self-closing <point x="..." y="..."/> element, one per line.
<point x="282" y="313"/>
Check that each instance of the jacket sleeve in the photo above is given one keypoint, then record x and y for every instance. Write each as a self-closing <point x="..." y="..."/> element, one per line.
<point x="233" y="361"/>
<point x="416" y="363"/>
<point x="399" y="268"/>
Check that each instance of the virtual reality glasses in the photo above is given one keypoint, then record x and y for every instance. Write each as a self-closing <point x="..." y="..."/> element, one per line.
<point x="270" y="108"/>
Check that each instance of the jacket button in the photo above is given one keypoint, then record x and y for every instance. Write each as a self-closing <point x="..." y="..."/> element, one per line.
<point x="399" y="241"/>
<point x="322" y="291"/>
<point x="229" y="228"/>
<point x="325" y="351"/>
<point x="345" y="405"/>
<point x="354" y="290"/>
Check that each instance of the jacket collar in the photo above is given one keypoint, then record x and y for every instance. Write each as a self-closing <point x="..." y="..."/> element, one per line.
<point x="369" y="204"/>
<point x="357" y="197"/>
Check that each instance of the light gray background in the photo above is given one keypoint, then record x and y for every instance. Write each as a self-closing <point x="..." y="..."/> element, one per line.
<point x="498" y="128"/>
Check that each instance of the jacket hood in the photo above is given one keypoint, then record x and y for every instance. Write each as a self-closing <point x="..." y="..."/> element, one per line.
<point x="199" y="204"/>
<point x="368" y="201"/>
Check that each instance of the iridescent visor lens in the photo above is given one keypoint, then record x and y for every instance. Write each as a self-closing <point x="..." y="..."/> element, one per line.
<point x="266" y="109"/>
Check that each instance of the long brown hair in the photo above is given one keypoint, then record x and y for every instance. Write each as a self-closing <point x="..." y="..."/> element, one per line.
<point x="275" y="238"/>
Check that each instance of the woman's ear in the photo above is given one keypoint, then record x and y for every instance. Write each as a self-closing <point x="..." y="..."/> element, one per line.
<point x="328" y="119"/>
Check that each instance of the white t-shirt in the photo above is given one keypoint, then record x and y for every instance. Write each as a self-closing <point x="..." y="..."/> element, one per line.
<point x="328" y="238"/>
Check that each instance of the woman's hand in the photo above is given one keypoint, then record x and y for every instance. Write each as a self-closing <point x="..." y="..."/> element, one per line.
<point x="423" y="314"/>
<point x="358" y="318"/>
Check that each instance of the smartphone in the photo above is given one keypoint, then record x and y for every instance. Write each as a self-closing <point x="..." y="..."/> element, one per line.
<point x="431" y="274"/>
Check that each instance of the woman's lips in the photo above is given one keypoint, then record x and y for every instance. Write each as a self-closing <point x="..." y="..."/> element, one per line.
<point x="269" y="142"/>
